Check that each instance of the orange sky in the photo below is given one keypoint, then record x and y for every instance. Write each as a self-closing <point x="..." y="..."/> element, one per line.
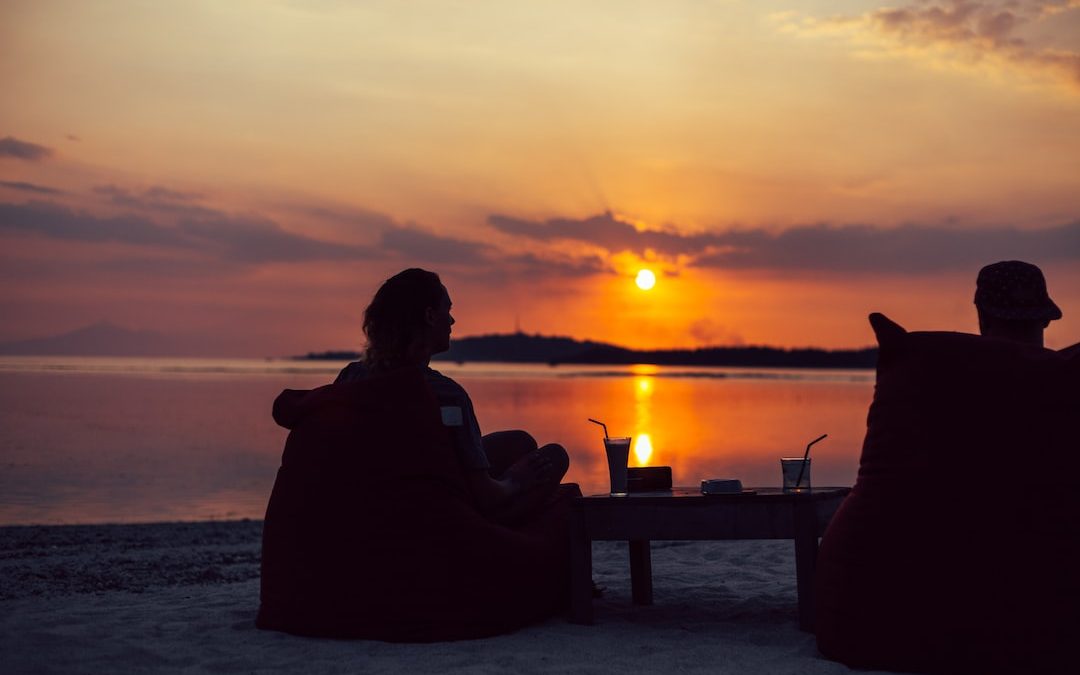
<point x="242" y="175"/>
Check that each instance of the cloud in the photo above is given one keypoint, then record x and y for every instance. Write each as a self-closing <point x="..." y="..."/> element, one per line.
<point x="865" y="249"/>
<point x="158" y="199"/>
<point x="860" y="249"/>
<point x="30" y="187"/>
<point x="413" y="244"/>
<point x="534" y="266"/>
<point x="1007" y="32"/>
<point x="355" y="218"/>
<point x="606" y="231"/>
<point x="31" y="152"/>
<point x="175" y="221"/>
<point x="431" y="248"/>
<point x="257" y="239"/>
<point x="534" y="269"/>
<point x="178" y="220"/>
<point x="53" y="220"/>
<point x="260" y="240"/>
<point x="247" y="239"/>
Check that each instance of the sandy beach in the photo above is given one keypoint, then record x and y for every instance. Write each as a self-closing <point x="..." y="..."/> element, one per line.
<point x="181" y="597"/>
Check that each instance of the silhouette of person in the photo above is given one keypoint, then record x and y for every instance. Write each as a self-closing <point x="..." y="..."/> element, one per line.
<point x="1012" y="302"/>
<point x="409" y="321"/>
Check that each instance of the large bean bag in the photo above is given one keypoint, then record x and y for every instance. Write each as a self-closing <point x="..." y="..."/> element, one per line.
<point x="371" y="533"/>
<point x="958" y="549"/>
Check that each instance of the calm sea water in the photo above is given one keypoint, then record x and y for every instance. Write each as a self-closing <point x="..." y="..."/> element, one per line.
<point x="94" y="440"/>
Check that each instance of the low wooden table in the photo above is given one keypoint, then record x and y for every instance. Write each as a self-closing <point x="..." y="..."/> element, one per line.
<point x="685" y="513"/>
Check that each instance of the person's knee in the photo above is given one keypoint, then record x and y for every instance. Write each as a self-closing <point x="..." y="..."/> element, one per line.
<point x="516" y="439"/>
<point x="504" y="448"/>
<point x="511" y="443"/>
<point x="559" y="458"/>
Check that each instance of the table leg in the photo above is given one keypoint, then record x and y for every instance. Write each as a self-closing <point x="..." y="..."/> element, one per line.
<point x="581" y="609"/>
<point x="641" y="571"/>
<point x="806" y="550"/>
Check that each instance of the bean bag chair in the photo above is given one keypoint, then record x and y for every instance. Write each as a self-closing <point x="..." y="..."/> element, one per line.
<point x="371" y="533"/>
<point x="958" y="549"/>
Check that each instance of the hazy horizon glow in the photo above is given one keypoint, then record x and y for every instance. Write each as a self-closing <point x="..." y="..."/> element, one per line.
<point x="244" y="175"/>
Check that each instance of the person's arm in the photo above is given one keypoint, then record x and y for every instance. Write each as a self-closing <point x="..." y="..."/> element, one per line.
<point x="492" y="493"/>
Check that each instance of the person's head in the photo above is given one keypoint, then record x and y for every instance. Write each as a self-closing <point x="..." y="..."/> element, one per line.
<point x="1012" y="302"/>
<point x="407" y="321"/>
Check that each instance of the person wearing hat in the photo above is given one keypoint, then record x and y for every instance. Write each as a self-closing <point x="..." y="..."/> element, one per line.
<point x="1012" y="302"/>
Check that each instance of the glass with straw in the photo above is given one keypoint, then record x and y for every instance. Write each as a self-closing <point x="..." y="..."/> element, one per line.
<point x="796" y="470"/>
<point x="618" y="454"/>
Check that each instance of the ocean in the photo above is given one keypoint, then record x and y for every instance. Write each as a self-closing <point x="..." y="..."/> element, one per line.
<point x="123" y="440"/>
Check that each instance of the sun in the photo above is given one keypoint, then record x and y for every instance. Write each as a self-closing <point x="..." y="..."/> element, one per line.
<point x="645" y="279"/>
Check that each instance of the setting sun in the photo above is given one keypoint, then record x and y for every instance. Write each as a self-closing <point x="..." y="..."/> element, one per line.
<point x="645" y="279"/>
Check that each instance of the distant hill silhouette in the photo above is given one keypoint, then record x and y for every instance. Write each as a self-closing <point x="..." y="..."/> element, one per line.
<point x="502" y="348"/>
<point x="522" y="348"/>
<point x="518" y="348"/>
<point x="771" y="357"/>
<point x="99" y="339"/>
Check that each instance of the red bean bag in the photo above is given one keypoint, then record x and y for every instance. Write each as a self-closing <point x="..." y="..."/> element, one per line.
<point x="371" y="533"/>
<point x="958" y="549"/>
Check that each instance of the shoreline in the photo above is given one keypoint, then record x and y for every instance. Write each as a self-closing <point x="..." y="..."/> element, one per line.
<point x="161" y="597"/>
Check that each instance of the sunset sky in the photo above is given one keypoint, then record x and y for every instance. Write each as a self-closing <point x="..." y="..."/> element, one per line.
<point x="243" y="175"/>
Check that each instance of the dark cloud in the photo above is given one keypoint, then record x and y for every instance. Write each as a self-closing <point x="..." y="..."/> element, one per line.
<point x="115" y="267"/>
<point x="534" y="266"/>
<point x="534" y="269"/>
<point x="358" y="218"/>
<point x="30" y="187"/>
<point x="425" y="247"/>
<point x="157" y="199"/>
<point x="159" y="193"/>
<point x="168" y="218"/>
<point x="604" y="230"/>
<point x="902" y="250"/>
<point x="31" y="152"/>
<point x="260" y="240"/>
<point x="820" y="248"/>
<point x="257" y="239"/>
<point x="412" y="244"/>
<point x="50" y="219"/>
<point x="242" y="239"/>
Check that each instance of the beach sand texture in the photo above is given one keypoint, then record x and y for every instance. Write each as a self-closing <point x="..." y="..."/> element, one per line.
<point x="182" y="597"/>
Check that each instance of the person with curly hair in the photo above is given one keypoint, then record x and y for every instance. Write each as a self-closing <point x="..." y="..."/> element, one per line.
<point x="409" y="321"/>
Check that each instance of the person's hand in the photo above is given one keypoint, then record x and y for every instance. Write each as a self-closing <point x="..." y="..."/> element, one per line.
<point x="530" y="470"/>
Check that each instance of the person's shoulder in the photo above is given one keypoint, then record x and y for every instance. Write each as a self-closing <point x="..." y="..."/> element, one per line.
<point x="439" y="381"/>
<point x="436" y="376"/>
<point x="353" y="372"/>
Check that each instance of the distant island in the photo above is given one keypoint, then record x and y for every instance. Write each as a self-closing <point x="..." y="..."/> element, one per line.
<point x="107" y="339"/>
<point x="99" y="339"/>
<point x="555" y="350"/>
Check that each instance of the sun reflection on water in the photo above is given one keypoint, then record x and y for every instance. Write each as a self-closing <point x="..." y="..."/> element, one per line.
<point x="644" y="386"/>
<point x="643" y="449"/>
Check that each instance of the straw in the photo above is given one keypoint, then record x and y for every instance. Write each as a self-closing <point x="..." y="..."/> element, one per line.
<point x="601" y="424"/>
<point x="802" y="469"/>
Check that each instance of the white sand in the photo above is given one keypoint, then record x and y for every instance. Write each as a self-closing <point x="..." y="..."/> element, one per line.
<point x="182" y="598"/>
